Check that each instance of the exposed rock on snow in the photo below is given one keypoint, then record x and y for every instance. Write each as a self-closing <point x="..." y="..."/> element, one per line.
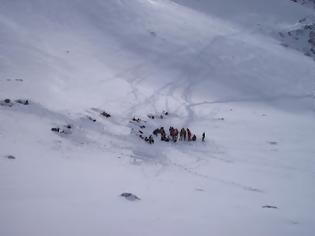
<point x="105" y="114"/>
<point x="270" y="207"/>
<point x="158" y="116"/>
<point x="65" y="130"/>
<point x="11" y="157"/>
<point x="22" y="101"/>
<point x="301" y="39"/>
<point x="91" y="119"/>
<point x="6" y="102"/>
<point x="130" y="196"/>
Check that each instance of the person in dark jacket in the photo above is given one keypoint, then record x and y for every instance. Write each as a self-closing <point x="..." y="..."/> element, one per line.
<point x="188" y="134"/>
<point x="156" y="132"/>
<point x="203" y="136"/>
<point x="175" y="135"/>
<point x="182" y="135"/>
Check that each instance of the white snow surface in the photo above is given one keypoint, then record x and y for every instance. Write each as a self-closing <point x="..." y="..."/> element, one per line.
<point x="201" y="61"/>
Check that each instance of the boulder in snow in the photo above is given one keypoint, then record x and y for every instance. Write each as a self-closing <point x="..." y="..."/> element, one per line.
<point x="22" y="101"/>
<point x="130" y="196"/>
<point x="6" y="102"/>
<point x="65" y="130"/>
<point x="270" y="207"/>
<point x="105" y="114"/>
<point x="10" y="157"/>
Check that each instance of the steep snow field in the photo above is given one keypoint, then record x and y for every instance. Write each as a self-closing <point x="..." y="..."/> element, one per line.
<point x="213" y="65"/>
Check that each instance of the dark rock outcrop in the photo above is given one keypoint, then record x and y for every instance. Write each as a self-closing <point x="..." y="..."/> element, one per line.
<point x="130" y="196"/>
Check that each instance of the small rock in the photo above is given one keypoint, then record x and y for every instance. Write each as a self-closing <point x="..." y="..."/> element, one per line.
<point x="22" y="101"/>
<point x="55" y="130"/>
<point x="91" y="119"/>
<point x="270" y="207"/>
<point x="153" y="34"/>
<point x="11" y="157"/>
<point x="130" y="196"/>
<point x="136" y="119"/>
<point x="107" y="115"/>
<point x="199" y="189"/>
<point x="302" y="20"/>
<point x="151" y="117"/>
<point x="6" y="102"/>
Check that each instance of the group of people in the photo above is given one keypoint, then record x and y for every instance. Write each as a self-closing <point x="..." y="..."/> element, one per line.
<point x="175" y="135"/>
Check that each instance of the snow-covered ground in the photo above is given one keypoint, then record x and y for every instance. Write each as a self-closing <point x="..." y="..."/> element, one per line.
<point x="215" y="66"/>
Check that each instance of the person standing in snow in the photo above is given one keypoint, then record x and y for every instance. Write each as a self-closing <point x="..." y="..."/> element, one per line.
<point x="188" y="134"/>
<point x="182" y="135"/>
<point x="175" y="135"/>
<point x="151" y="140"/>
<point x="163" y="134"/>
<point x="171" y="130"/>
<point x="156" y="132"/>
<point x="203" y="136"/>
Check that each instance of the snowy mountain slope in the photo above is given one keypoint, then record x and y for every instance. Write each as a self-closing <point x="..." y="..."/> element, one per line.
<point x="302" y="39"/>
<point x="213" y="71"/>
<point x="195" y="45"/>
<point x="254" y="15"/>
<point x="269" y="18"/>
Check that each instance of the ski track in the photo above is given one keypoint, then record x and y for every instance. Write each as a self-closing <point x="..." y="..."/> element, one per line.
<point x="219" y="180"/>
